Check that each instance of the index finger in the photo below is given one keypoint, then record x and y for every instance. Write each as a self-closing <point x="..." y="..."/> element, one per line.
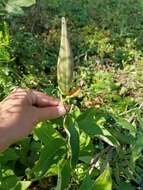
<point x="40" y="99"/>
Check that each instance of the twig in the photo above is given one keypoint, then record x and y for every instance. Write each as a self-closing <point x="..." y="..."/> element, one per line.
<point x="96" y="157"/>
<point x="128" y="111"/>
<point x="133" y="109"/>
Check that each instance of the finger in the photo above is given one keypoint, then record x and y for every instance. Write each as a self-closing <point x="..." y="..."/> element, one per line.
<point x="49" y="113"/>
<point x="42" y="100"/>
<point x="35" y="98"/>
<point x="17" y="93"/>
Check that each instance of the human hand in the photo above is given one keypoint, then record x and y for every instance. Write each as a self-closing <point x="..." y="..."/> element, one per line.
<point x="22" y="110"/>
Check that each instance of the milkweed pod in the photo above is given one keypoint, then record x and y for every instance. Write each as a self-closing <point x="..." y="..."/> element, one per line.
<point x="65" y="61"/>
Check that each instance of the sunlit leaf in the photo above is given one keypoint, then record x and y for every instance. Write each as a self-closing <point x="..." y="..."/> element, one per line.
<point x="50" y="154"/>
<point x="25" y="184"/>
<point x="104" y="181"/>
<point x="15" y="6"/>
<point x="45" y="132"/>
<point x="88" y="122"/>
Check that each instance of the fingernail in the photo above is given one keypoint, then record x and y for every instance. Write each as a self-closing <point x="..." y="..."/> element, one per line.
<point x="61" y="110"/>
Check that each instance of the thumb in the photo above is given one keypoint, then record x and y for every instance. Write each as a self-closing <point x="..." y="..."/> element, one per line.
<point x="48" y="113"/>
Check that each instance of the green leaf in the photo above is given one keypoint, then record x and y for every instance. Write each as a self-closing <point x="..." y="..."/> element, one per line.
<point x="73" y="138"/>
<point x="125" y="138"/>
<point x="25" y="184"/>
<point x="139" y="117"/>
<point x="125" y="186"/>
<point x="45" y="132"/>
<point x="9" y="155"/>
<point x="108" y="137"/>
<point x="126" y="125"/>
<point x="91" y="123"/>
<point x="10" y="182"/>
<point x="86" y="147"/>
<point x="15" y="6"/>
<point x="85" y="159"/>
<point x="64" y="176"/>
<point x="4" y="55"/>
<point x="89" y="126"/>
<point x="13" y="183"/>
<point x="104" y="181"/>
<point x="76" y="112"/>
<point x="50" y="154"/>
<point x="87" y="183"/>
<point x="7" y="172"/>
<point x="138" y="147"/>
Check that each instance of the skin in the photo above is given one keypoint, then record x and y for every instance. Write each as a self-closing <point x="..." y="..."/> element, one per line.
<point x="22" y="110"/>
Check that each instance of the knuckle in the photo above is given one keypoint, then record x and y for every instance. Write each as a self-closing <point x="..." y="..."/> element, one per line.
<point x="17" y="90"/>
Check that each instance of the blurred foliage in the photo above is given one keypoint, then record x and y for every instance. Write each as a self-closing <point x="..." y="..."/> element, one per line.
<point x="102" y="138"/>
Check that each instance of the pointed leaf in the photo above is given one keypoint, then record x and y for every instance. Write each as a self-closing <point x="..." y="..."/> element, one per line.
<point x="73" y="138"/>
<point x="104" y="181"/>
<point x="50" y="154"/>
<point x="25" y="184"/>
<point x="64" y="176"/>
<point x="89" y="123"/>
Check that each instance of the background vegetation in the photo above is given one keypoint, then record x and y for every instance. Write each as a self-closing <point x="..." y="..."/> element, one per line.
<point x="106" y="125"/>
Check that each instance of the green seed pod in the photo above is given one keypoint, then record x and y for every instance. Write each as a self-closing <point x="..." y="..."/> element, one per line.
<point x="65" y="61"/>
